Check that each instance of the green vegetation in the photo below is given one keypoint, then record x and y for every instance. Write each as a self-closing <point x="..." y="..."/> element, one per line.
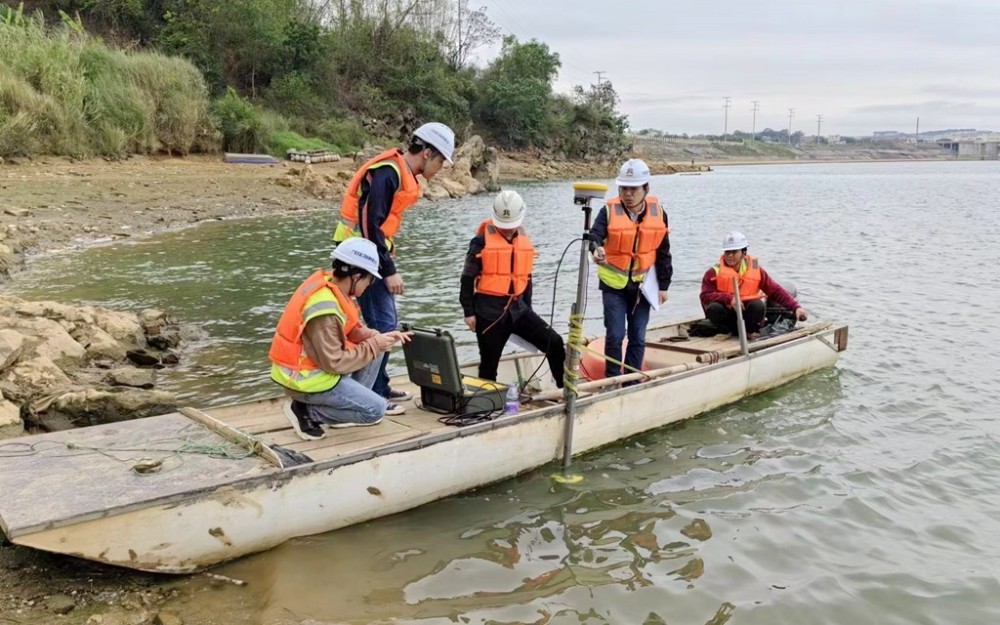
<point x="63" y="92"/>
<point x="258" y="75"/>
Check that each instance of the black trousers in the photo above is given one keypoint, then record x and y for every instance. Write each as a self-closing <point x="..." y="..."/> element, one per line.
<point x="724" y="317"/>
<point x="492" y="335"/>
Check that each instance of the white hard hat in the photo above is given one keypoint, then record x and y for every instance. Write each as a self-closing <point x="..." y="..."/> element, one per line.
<point x="734" y="241"/>
<point x="634" y="173"/>
<point x="438" y="136"/>
<point x="358" y="252"/>
<point x="508" y="210"/>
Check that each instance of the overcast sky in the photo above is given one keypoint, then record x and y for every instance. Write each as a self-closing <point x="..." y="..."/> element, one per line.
<point x="864" y="65"/>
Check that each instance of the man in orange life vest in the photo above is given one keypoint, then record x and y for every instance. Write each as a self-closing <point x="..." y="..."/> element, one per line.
<point x="322" y="355"/>
<point x="718" y="297"/>
<point x="630" y="237"/>
<point x="496" y="289"/>
<point x="381" y="190"/>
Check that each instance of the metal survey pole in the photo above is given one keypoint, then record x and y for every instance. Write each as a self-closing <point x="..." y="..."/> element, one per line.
<point x="738" y="305"/>
<point x="583" y="193"/>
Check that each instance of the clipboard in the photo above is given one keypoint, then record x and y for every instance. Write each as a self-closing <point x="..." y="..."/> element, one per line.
<point x="650" y="288"/>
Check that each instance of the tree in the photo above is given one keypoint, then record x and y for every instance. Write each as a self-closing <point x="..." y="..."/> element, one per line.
<point x="515" y="92"/>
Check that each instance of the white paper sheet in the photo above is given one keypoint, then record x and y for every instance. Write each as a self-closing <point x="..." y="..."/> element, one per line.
<point x="650" y="288"/>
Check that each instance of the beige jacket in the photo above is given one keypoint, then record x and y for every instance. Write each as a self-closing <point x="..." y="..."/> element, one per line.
<point x="325" y="343"/>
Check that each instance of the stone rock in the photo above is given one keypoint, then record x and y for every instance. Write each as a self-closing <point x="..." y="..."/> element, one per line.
<point x="57" y="312"/>
<point x="132" y="376"/>
<point x="453" y="187"/>
<point x="142" y="358"/>
<point x="11" y="343"/>
<point x="170" y="337"/>
<point x="7" y="260"/>
<point x="153" y="316"/>
<point x="16" y="212"/>
<point x="94" y="407"/>
<point x="100" y="345"/>
<point x="433" y="191"/>
<point x="61" y="604"/>
<point x="10" y="413"/>
<point x="166" y="618"/>
<point x="124" y="327"/>
<point x="34" y="377"/>
<point x="61" y="347"/>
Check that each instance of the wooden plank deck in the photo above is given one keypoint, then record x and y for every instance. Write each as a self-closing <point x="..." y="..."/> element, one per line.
<point x="52" y="477"/>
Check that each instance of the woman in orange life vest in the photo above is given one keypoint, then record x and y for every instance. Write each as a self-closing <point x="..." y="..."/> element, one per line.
<point x="718" y="297"/>
<point x="630" y="237"/>
<point x="323" y="356"/>
<point x="373" y="206"/>
<point x="496" y="290"/>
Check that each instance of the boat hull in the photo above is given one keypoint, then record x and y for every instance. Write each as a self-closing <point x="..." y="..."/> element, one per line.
<point x="239" y="519"/>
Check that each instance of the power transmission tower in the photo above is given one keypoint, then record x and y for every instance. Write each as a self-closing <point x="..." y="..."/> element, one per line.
<point x="599" y="77"/>
<point x="753" y="126"/>
<point x="916" y="137"/>
<point x="791" y="114"/>
<point x="819" y="124"/>
<point x="725" y="128"/>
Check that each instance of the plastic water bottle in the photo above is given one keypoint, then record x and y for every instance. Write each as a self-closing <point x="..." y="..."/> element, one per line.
<point x="511" y="405"/>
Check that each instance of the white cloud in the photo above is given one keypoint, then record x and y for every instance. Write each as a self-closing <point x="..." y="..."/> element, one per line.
<point x="863" y="64"/>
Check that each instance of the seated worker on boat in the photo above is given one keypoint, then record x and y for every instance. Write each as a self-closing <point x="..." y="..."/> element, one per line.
<point x="718" y="295"/>
<point x="322" y="354"/>
<point x="630" y="237"/>
<point x="496" y="289"/>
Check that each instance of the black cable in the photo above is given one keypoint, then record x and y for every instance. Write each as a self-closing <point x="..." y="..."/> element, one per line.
<point x="552" y="314"/>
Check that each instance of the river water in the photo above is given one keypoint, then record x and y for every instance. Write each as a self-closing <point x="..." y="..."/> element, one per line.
<point x="862" y="494"/>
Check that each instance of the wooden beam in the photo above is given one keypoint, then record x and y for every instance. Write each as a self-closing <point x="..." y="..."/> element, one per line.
<point x="232" y="434"/>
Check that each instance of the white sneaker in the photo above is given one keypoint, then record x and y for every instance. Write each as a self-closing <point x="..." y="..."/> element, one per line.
<point x="393" y="409"/>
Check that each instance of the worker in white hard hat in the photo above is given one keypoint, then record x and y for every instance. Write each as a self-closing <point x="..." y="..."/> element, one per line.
<point x="323" y="357"/>
<point x="718" y="294"/>
<point x="630" y="238"/>
<point x="373" y="206"/>
<point x="496" y="289"/>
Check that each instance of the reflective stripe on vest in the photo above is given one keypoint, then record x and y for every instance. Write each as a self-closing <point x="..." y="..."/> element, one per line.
<point x="290" y="364"/>
<point x="749" y="277"/>
<point x="507" y="265"/>
<point x="630" y="247"/>
<point x="405" y="196"/>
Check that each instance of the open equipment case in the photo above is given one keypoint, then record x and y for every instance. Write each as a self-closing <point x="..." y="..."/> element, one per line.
<point x="432" y="364"/>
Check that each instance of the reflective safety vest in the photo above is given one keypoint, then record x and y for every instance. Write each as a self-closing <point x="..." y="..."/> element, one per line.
<point x="406" y="196"/>
<point x="631" y="247"/>
<point x="749" y="277"/>
<point x="507" y="264"/>
<point x="291" y="367"/>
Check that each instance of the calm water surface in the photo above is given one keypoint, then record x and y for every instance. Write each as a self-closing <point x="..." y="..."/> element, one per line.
<point x="862" y="494"/>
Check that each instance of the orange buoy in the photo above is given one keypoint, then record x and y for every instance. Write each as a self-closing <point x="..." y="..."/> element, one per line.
<point x="592" y="365"/>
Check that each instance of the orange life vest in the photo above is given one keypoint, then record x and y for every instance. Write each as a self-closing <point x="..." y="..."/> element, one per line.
<point x="632" y="246"/>
<point x="749" y="277"/>
<point x="507" y="264"/>
<point x="287" y="349"/>
<point x="406" y="195"/>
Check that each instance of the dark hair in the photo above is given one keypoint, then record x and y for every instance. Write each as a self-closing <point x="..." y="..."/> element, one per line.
<point x="417" y="145"/>
<point x="343" y="270"/>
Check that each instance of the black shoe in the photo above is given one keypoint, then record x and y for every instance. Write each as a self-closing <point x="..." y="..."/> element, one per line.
<point x="397" y="396"/>
<point x="295" y="412"/>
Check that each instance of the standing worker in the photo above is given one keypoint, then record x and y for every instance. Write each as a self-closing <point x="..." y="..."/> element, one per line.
<point x="629" y="238"/>
<point x="496" y="289"/>
<point x="718" y="295"/>
<point x="380" y="191"/>
<point x="322" y="355"/>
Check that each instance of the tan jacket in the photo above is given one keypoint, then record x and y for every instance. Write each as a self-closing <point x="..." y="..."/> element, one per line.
<point x="324" y="342"/>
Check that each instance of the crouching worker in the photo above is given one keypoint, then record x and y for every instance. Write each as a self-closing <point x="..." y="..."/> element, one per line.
<point x="323" y="356"/>
<point x="496" y="290"/>
<point x="718" y="296"/>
